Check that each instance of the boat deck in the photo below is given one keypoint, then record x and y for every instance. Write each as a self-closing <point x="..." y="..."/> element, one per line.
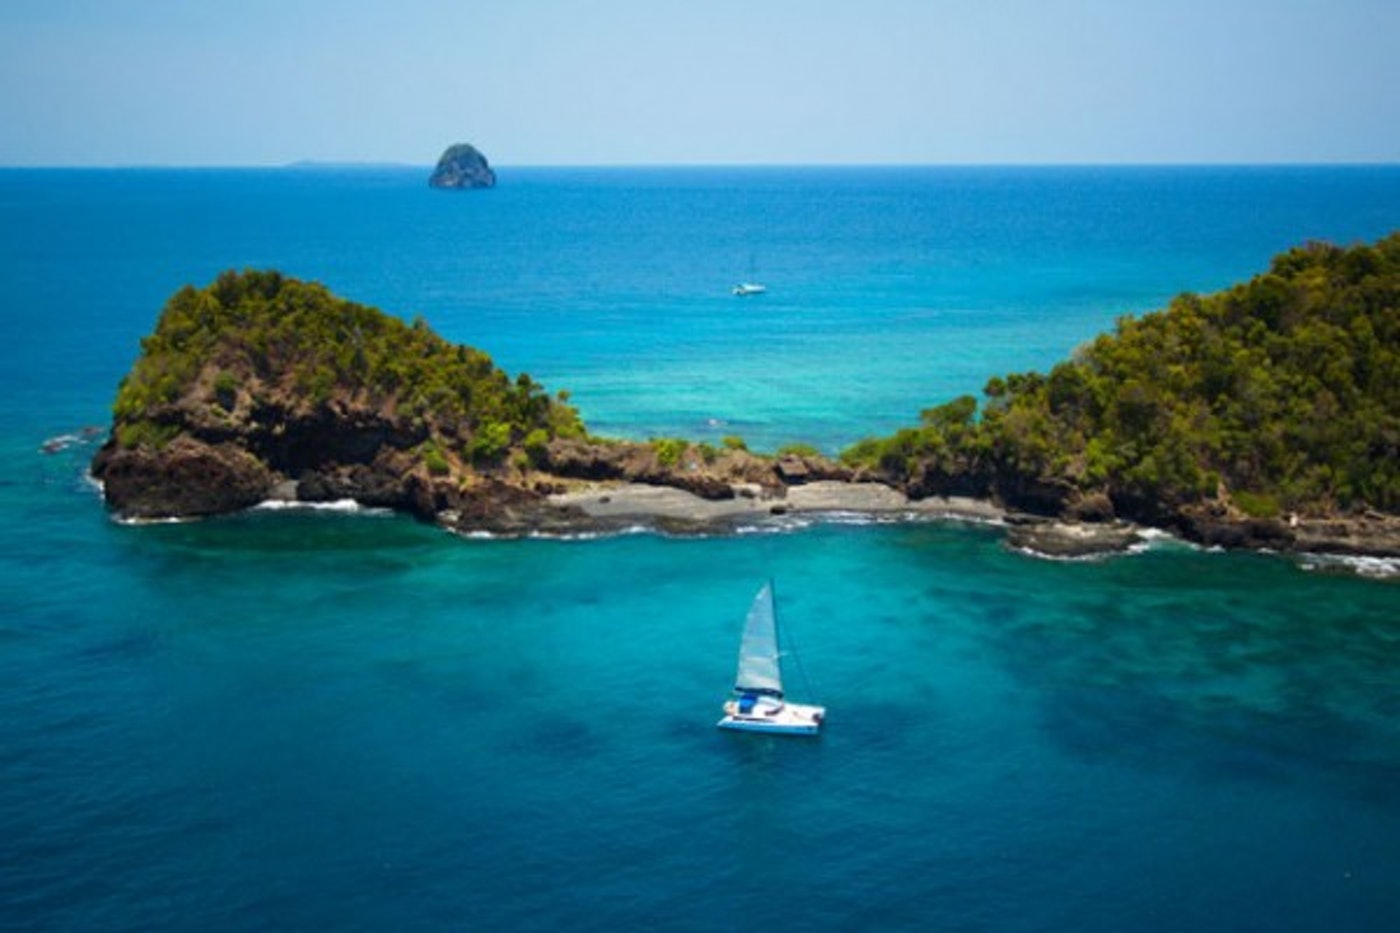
<point x="774" y="716"/>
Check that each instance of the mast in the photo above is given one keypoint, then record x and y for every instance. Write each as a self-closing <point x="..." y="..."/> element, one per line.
<point x="778" y="651"/>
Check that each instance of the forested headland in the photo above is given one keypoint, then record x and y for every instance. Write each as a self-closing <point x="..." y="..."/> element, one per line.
<point x="263" y="386"/>
<point x="256" y="342"/>
<point x="1278" y="397"/>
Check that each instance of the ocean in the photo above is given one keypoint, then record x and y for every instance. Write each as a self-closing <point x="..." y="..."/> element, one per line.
<point x="310" y="720"/>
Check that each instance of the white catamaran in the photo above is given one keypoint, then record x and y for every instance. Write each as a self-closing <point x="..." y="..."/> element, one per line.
<point x="758" y="704"/>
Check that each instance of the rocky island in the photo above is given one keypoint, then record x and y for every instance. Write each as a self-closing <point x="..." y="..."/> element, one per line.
<point x="462" y="166"/>
<point x="1265" y="416"/>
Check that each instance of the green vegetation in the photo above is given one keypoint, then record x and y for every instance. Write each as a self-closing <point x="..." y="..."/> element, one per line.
<point x="434" y="459"/>
<point x="145" y="433"/>
<point x="669" y="450"/>
<point x="1282" y="393"/>
<point x="293" y="343"/>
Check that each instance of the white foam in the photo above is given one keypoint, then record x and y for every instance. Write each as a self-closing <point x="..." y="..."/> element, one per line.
<point x="347" y="506"/>
<point x="989" y="521"/>
<point x="787" y="526"/>
<point x="1098" y="557"/>
<point x="137" y="521"/>
<point x="1377" y="567"/>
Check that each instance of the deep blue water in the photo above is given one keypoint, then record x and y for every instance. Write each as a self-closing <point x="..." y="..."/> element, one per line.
<point x="327" y="721"/>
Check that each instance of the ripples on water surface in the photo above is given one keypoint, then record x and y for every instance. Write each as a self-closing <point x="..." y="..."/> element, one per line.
<point x="299" y="720"/>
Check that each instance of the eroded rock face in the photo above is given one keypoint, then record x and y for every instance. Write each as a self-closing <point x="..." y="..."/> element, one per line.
<point x="1217" y="527"/>
<point x="323" y="453"/>
<point x="1069" y="539"/>
<point x="379" y="484"/>
<point x="186" y="478"/>
<point x="462" y="167"/>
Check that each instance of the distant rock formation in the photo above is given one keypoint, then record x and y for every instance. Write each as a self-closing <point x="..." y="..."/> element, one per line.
<point x="462" y="166"/>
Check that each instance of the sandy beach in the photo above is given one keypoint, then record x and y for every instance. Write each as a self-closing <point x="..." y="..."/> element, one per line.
<point x="622" y="504"/>
<point x="644" y="503"/>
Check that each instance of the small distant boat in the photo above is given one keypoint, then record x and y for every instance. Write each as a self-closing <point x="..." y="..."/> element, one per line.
<point x="758" y="704"/>
<point x="749" y="288"/>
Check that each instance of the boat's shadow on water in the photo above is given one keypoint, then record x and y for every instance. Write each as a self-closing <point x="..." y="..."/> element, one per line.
<point x="559" y="739"/>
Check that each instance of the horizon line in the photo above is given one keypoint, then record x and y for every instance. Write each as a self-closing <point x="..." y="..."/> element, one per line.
<point x="321" y="164"/>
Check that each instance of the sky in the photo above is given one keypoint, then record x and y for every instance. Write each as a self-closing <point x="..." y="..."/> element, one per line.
<point x="635" y="82"/>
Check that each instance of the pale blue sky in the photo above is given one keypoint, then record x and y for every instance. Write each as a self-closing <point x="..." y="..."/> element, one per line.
<point x="258" y="82"/>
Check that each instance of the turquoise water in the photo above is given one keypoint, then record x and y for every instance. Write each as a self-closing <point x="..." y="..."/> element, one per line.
<point x="329" y="721"/>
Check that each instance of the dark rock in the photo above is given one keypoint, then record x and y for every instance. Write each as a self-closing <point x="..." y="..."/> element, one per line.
<point x="377" y="487"/>
<point x="495" y="507"/>
<point x="430" y="497"/>
<point x="636" y="463"/>
<point x="930" y="481"/>
<point x="1038" y="495"/>
<point x="579" y="460"/>
<point x="462" y="166"/>
<point x="186" y="478"/>
<point x="1068" y="539"/>
<point x="819" y="469"/>
<point x="1215" y="527"/>
<point x="700" y="484"/>
<point x="792" y="470"/>
<point x="1371" y="534"/>
<point x="1090" y="507"/>
<point x="293" y="440"/>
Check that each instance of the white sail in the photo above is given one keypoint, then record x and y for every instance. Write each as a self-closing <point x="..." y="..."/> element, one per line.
<point x="759" y="704"/>
<point x="759" y="670"/>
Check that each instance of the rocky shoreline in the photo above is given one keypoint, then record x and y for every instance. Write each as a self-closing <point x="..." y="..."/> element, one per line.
<point x="262" y="388"/>
<point x="625" y="498"/>
<point x="591" y="488"/>
<point x="609" y="506"/>
<point x="601" y="507"/>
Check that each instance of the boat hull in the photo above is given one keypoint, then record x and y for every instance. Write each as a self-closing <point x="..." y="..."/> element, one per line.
<point x="775" y="719"/>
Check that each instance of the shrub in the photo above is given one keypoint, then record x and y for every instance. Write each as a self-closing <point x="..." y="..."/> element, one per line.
<point x="1257" y="505"/>
<point x="669" y="450"/>
<point x="226" y="390"/>
<point x="489" y="442"/>
<point x="434" y="459"/>
<point x="145" y="434"/>
<point x="536" y="446"/>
